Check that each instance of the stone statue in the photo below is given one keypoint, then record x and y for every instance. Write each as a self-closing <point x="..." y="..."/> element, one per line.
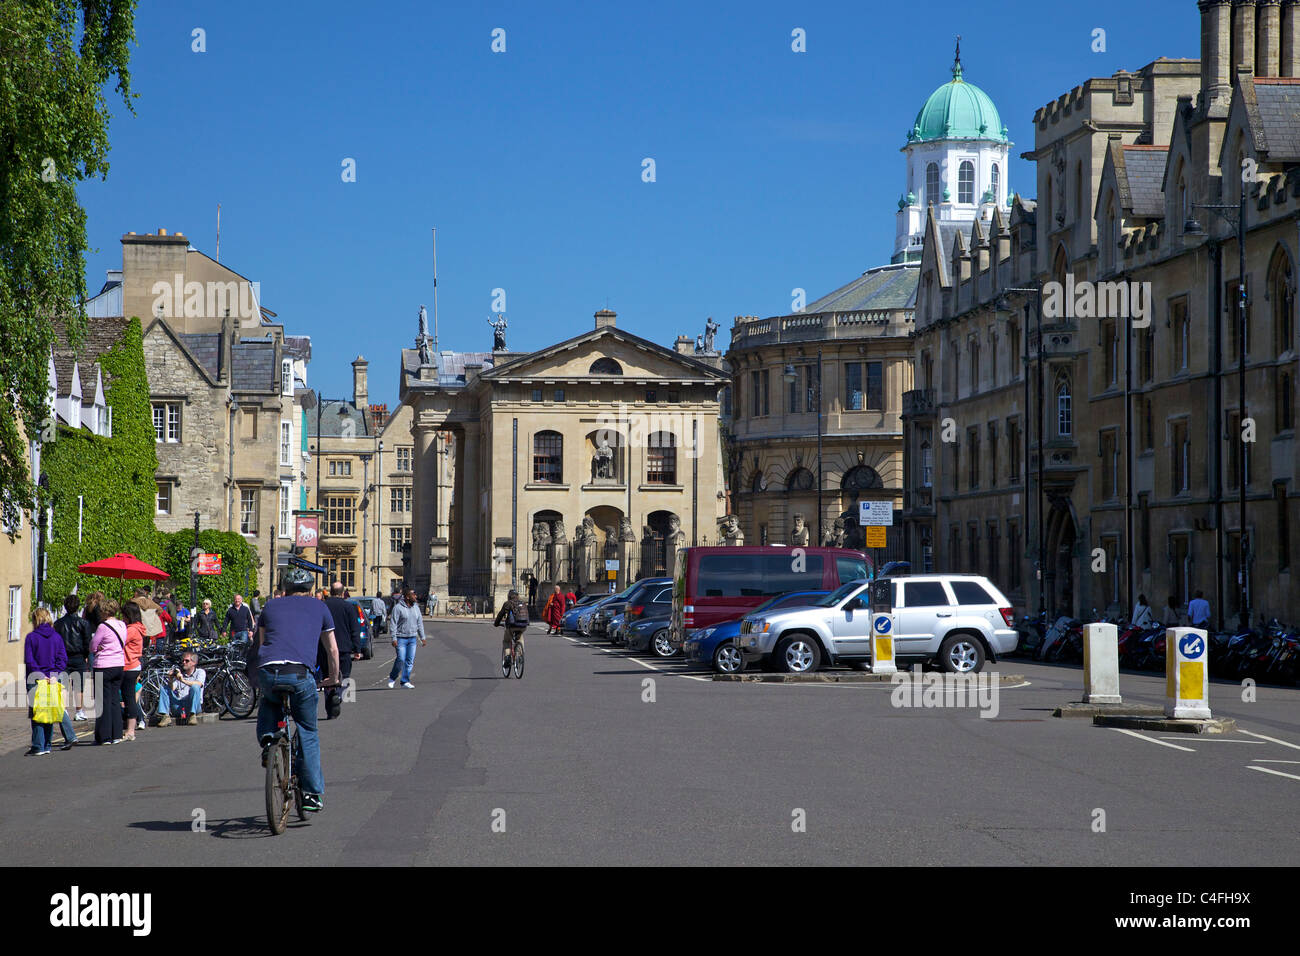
<point x="424" y="324"/>
<point x="834" y="535"/>
<point x="699" y="343"/>
<point x="729" y="529"/>
<point x="625" y="532"/>
<point x="854" y="536"/>
<point x="557" y="531"/>
<point x="647" y="533"/>
<point x="585" y="533"/>
<point x="422" y="341"/>
<point x="799" y="534"/>
<point x="541" y="535"/>
<point x="710" y="330"/>
<point x="498" y="333"/>
<point x="611" y="541"/>
<point x="676" y="536"/>
<point x="604" y="459"/>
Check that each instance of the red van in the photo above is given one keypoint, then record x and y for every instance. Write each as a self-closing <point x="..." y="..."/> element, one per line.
<point x="716" y="584"/>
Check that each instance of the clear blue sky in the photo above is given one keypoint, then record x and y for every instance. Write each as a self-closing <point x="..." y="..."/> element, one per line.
<point x="775" y="170"/>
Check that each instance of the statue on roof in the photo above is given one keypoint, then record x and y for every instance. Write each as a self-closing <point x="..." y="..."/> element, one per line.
<point x="498" y="333"/>
<point x="422" y="340"/>
<point x="710" y="330"/>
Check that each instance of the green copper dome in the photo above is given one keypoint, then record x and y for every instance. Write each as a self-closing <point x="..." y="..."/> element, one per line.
<point x="958" y="110"/>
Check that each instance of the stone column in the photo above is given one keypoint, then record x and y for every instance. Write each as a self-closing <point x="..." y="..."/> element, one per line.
<point x="439" y="572"/>
<point x="1289" y="58"/>
<point x="424" y="499"/>
<point x="502" y="569"/>
<point x="470" y="513"/>
<point x="1243" y="36"/>
<point x="1268" y="38"/>
<point x="1216" y="42"/>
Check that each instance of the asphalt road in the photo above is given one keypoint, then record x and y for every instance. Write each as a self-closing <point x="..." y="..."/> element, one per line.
<point x="576" y="765"/>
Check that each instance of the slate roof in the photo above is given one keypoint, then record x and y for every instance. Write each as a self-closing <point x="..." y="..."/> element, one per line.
<point x="451" y="365"/>
<point x="102" y="334"/>
<point x="206" y="347"/>
<point x="298" y="347"/>
<point x="107" y="302"/>
<point x="885" y="287"/>
<point x="252" y="367"/>
<point x="1279" y="114"/>
<point x="1145" y="166"/>
<point x="332" y="416"/>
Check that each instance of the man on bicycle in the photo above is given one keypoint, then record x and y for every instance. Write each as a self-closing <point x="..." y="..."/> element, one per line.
<point x="283" y="657"/>
<point x="514" y="616"/>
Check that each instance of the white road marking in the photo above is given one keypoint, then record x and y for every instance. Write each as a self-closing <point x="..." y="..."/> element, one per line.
<point x="1134" y="733"/>
<point x="1262" y="760"/>
<point x="1219" y="740"/>
<point x="1278" y="773"/>
<point x="636" y="660"/>
<point x="1273" y="740"/>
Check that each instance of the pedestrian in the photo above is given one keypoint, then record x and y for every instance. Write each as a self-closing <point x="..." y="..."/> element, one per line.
<point x="532" y="592"/>
<point x="150" y="615"/>
<point x="1198" y="611"/>
<point x="75" y="631"/>
<point x="379" y="614"/>
<point x="406" y="626"/>
<point x="255" y="605"/>
<point x="135" y="638"/>
<point x="239" y="620"/>
<point x="47" y="660"/>
<point x="108" y="647"/>
<point x="570" y="599"/>
<point x="181" y="695"/>
<point x="1170" y="616"/>
<point x="205" y="622"/>
<point x="553" y="613"/>
<point x="1142" y="613"/>
<point x="348" y="641"/>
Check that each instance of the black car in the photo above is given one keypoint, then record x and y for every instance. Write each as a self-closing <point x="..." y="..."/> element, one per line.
<point x="635" y="596"/>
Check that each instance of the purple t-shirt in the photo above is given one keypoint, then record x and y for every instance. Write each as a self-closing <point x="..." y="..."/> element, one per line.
<point x="293" y="627"/>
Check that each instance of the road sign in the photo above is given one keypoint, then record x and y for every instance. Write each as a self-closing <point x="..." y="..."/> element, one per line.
<point x="611" y="573"/>
<point x="883" y="624"/>
<point x="209" y="564"/>
<point x="882" y="644"/>
<point x="611" y="564"/>
<point x="876" y="513"/>
<point x="875" y="535"/>
<point x="1187" y="680"/>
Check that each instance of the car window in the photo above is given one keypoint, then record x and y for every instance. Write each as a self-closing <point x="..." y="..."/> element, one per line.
<point x="790" y="571"/>
<point x="796" y="599"/>
<point x="665" y="596"/>
<point x="730" y="575"/>
<point x="924" y="594"/>
<point x="850" y="569"/>
<point x="970" y="592"/>
<point x="839" y="594"/>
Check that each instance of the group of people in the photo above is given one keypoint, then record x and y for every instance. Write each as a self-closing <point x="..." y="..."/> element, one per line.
<point x="557" y="603"/>
<point x="1198" y="613"/>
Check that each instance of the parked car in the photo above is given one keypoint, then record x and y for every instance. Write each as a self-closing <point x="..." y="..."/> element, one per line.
<point x="716" y="645"/>
<point x="716" y="584"/>
<point x="957" y="620"/>
<point x="617" y="604"/>
<point x="378" y="625"/>
<point x="649" y="634"/>
<point x="570" y="620"/>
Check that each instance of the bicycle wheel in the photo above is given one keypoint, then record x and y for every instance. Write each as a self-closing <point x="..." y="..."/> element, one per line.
<point x="519" y="660"/>
<point x="296" y="749"/>
<point x="238" y="695"/>
<point x="150" y="691"/>
<point x="213" y="693"/>
<point x="278" y="772"/>
<point x="505" y="664"/>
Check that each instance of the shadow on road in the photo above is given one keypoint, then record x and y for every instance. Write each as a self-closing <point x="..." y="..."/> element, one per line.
<point x="234" y="828"/>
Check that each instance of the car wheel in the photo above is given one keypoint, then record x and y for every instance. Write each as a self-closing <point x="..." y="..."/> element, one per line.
<point x="797" y="655"/>
<point x="728" y="659"/>
<point x="660" y="645"/>
<point x="961" y="654"/>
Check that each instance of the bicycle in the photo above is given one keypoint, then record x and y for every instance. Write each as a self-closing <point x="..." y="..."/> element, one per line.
<point x="513" y="657"/>
<point x="282" y="758"/>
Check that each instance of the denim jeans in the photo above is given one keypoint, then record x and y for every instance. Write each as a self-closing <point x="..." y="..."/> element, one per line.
<point x="405" y="659"/>
<point x="172" y="705"/>
<point x="42" y="736"/>
<point x="303" y="702"/>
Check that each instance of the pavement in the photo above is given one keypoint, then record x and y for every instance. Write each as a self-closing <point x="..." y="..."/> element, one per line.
<point x="598" y="757"/>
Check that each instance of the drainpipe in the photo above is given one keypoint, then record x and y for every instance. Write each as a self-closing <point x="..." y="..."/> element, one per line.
<point x="230" y="474"/>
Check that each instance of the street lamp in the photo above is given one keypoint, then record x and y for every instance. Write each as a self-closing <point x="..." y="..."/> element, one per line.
<point x="791" y="376"/>
<point x="1038" y="327"/>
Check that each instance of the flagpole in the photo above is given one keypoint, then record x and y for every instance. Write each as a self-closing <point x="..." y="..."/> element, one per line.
<point x="435" y="291"/>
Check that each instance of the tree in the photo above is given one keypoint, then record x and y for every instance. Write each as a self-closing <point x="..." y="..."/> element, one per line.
<point x="239" y="566"/>
<point x="56" y="57"/>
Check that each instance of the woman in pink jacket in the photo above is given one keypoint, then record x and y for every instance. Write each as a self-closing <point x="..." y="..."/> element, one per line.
<point x="108" y="649"/>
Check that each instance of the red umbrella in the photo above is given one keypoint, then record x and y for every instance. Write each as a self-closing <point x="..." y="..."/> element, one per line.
<point x="122" y="566"/>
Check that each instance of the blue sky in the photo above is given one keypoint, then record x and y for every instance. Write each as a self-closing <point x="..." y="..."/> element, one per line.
<point x="775" y="169"/>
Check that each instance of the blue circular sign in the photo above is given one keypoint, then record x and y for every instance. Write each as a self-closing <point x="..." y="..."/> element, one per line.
<point x="883" y="624"/>
<point x="1191" y="646"/>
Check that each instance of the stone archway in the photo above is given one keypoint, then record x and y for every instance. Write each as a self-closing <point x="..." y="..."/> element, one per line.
<point x="1060" y="573"/>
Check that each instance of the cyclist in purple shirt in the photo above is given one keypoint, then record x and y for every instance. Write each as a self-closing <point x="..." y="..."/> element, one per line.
<point x="283" y="656"/>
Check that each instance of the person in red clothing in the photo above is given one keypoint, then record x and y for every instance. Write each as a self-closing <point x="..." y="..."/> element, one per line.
<point x="553" y="613"/>
<point x="570" y="599"/>
<point x="134" y="647"/>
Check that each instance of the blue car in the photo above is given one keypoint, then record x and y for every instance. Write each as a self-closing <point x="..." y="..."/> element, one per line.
<point x="716" y="646"/>
<point x="570" y="620"/>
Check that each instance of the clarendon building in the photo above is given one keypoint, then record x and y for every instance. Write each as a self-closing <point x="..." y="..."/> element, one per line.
<point x="587" y="462"/>
<point x="1080" y="359"/>
<point x="819" y="394"/>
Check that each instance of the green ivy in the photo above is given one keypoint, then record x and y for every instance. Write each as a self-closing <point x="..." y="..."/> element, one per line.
<point x="239" y="566"/>
<point x="114" y="476"/>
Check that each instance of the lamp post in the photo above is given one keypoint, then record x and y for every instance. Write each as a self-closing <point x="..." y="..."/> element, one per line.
<point x="1038" y="380"/>
<point x="791" y="376"/>
<point x="1236" y="215"/>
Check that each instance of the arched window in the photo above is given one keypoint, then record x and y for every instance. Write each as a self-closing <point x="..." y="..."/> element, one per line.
<point x="966" y="182"/>
<point x="932" y="184"/>
<point x="1064" y="408"/>
<point x="801" y="479"/>
<point x="1282" y="295"/>
<point x="995" y="180"/>
<point x="605" y="366"/>
<point x="548" y="458"/>
<point x="861" y="478"/>
<point x="927" y="464"/>
<point x="661" y="459"/>
<point x="1109" y="240"/>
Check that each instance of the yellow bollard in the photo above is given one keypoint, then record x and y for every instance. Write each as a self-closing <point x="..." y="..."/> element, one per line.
<point x="1187" y="673"/>
<point x="882" y="644"/>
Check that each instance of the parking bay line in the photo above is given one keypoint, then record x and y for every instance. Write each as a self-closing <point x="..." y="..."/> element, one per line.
<point x="1134" y="733"/>
<point x="1219" y="740"/>
<point x="1262" y="760"/>
<point x="1273" y="740"/>
<point x="635" y="660"/>
<point x="1278" y="773"/>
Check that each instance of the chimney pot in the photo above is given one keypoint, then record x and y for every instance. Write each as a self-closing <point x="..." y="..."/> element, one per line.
<point x="161" y="231"/>
<point x="606" y="318"/>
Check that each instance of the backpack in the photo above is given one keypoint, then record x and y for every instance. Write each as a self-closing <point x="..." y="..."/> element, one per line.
<point x="517" y="614"/>
<point x="153" y="625"/>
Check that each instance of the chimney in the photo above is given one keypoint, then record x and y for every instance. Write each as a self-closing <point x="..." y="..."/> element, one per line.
<point x="1289" y="61"/>
<point x="605" y="318"/>
<point x="360" y="392"/>
<point x="684" y="345"/>
<point x="1243" y="36"/>
<point x="1216" y="53"/>
<point x="1268" y="37"/>
<point x="379" y="415"/>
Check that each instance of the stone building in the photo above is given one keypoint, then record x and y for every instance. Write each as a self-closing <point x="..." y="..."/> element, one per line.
<point x="1145" y="444"/>
<point x="601" y="447"/>
<point x="222" y="388"/>
<point x="17" y="561"/>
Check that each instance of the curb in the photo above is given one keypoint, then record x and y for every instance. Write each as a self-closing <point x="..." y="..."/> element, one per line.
<point x="1077" y="709"/>
<point x="833" y="678"/>
<point x="1212" y="726"/>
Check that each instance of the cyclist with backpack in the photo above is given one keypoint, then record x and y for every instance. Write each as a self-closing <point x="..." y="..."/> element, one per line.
<point x="514" y="617"/>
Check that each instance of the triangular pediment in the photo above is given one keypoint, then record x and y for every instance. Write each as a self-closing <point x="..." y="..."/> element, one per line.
<point x="589" y="357"/>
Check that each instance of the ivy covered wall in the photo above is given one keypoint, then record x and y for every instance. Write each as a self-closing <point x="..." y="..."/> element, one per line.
<point x="114" y="477"/>
<point x="239" y="567"/>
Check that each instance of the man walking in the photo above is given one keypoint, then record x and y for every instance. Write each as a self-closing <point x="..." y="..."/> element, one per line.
<point x="406" y="626"/>
<point x="239" y="620"/>
<point x="1198" y="611"/>
<point x="348" y="641"/>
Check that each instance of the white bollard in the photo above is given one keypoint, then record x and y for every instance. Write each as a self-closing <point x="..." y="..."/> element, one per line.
<point x="882" y="644"/>
<point x="1187" y="673"/>
<point x="1101" y="664"/>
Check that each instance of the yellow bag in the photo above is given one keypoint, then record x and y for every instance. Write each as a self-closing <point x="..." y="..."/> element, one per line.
<point x="47" y="702"/>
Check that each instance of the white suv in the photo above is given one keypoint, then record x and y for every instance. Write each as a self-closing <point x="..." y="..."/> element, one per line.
<point x="957" y="620"/>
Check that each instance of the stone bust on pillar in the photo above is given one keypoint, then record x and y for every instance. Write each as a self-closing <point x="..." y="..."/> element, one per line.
<point x="729" y="531"/>
<point x="799" y="533"/>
